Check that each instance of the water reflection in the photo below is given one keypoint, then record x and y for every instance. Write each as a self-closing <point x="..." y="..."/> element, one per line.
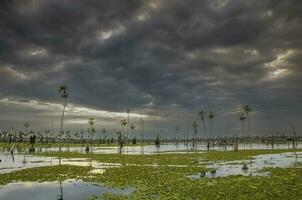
<point x="60" y="196"/>
<point x="149" y="149"/>
<point x="67" y="190"/>
<point x="250" y="167"/>
<point x="23" y="161"/>
<point x="20" y="159"/>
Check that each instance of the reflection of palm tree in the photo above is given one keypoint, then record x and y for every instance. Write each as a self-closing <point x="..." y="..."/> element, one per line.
<point x="60" y="196"/>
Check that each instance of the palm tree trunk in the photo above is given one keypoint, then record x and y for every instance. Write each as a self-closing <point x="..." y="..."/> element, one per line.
<point x="251" y="145"/>
<point x="61" y="128"/>
<point x="91" y="138"/>
<point x="248" y="124"/>
<point x="205" y="132"/>
<point x="63" y="114"/>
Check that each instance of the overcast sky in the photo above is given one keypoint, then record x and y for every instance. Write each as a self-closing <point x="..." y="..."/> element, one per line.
<point x="164" y="60"/>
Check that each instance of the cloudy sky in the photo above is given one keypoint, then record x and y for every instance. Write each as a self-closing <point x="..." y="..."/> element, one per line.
<point x="164" y="60"/>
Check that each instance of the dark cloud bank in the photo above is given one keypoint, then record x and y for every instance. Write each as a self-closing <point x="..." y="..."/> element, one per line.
<point x="166" y="59"/>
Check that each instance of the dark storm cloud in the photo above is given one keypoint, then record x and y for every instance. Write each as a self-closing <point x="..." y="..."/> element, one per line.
<point x="167" y="58"/>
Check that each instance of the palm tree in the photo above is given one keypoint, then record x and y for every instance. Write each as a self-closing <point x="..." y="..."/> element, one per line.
<point x="123" y="123"/>
<point x="63" y="90"/>
<point x="177" y="130"/>
<point x="194" y="125"/>
<point x="248" y="109"/>
<point x="132" y="127"/>
<point x="104" y="137"/>
<point x="201" y="115"/>
<point x="157" y="143"/>
<point x="128" y="124"/>
<point x="91" y="130"/>
<point x="211" y="116"/>
<point x="242" y="118"/>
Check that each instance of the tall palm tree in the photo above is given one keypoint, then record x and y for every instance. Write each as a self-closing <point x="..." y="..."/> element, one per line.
<point x="128" y="121"/>
<point x="201" y="115"/>
<point x="91" y="130"/>
<point x="104" y="134"/>
<point x="63" y="90"/>
<point x="123" y="123"/>
<point x="211" y="117"/>
<point x="242" y="118"/>
<point x="177" y="132"/>
<point x="132" y="127"/>
<point x="194" y="125"/>
<point x="247" y="109"/>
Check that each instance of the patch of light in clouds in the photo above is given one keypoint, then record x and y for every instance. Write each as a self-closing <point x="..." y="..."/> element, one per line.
<point x="71" y="110"/>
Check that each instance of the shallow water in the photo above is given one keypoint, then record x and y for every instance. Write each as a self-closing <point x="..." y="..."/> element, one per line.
<point x="18" y="161"/>
<point x="152" y="149"/>
<point x="254" y="167"/>
<point x="67" y="190"/>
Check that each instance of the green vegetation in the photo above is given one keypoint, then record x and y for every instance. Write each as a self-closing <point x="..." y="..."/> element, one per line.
<point x="172" y="182"/>
<point x="165" y="180"/>
<point x="42" y="174"/>
<point x="170" y="158"/>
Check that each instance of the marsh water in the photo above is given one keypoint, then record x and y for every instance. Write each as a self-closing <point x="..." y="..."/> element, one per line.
<point x="21" y="159"/>
<point x="67" y="190"/>
<point x="74" y="190"/>
<point x="252" y="167"/>
<point x="151" y="149"/>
